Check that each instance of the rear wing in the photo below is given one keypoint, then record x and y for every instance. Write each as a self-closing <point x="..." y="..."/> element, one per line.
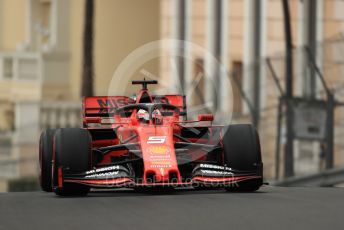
<point x="104" y="106"/>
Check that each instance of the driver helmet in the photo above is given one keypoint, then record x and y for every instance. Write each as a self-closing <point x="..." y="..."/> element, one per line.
<point x="143" y="115"/>
<point x="157" y="117"/>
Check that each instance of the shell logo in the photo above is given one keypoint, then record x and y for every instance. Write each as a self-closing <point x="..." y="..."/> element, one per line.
<point x="158" y="150"/>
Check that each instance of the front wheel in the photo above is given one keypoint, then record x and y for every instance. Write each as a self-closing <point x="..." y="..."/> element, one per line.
<point x="242" y="152"/>
<point x="45" y="159"/>
<point x="72" y="153"/>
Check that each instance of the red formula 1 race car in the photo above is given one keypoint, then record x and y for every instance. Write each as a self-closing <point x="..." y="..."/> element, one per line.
<point x="148" y="142"/>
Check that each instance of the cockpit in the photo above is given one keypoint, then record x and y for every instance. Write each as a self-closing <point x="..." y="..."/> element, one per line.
<point x="149" y="113"/>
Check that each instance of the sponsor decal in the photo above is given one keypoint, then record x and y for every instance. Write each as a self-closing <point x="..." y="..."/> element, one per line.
<point x="161" y="166"/>
<point x="109" y="105"/>
<point x="159" y="154"/>
<point x="216" y="172"/>
<point x="209" y="166"/>
<point x="115" y="167"/>
<point x="162" y="162"/>
<point x="113" y="103"/>
<point x="102" y="174"/>
<point x="156" y="140"/>
<point x="159" y="157"/>
<point x="158" y="150"/>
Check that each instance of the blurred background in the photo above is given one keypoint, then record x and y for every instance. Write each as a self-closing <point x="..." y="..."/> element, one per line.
<point x="52" y="52"/>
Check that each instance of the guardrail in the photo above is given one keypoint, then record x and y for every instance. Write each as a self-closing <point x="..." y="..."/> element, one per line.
<point x="324" y="179"/>
<point x="60" y="114"/>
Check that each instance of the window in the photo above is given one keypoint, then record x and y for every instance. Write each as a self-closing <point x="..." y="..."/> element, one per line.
<point x="8" y="68"/>
<point x="237" y="70"/>
<point x="198" y="83"/>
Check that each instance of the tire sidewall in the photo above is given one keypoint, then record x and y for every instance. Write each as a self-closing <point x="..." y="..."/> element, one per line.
<point x="242" y="152"/>
<point x="72" y="152"/>
<point x="45" y="159"/>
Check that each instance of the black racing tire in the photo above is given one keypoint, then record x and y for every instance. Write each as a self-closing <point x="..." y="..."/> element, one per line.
<point x="242" y="152"/>
<point x="73" y="154"/>
<point x="45" y="159"/>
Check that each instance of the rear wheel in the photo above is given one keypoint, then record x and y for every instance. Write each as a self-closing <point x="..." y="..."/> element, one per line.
<point x="72" y="154"/>
<point x="242" y="152"/>
<point x="45" y="158"/>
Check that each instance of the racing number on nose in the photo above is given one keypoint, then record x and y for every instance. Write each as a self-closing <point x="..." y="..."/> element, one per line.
<point x="156" y="139"/>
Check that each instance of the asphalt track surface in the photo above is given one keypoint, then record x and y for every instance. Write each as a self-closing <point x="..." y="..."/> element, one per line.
<point x="270" y="208"/>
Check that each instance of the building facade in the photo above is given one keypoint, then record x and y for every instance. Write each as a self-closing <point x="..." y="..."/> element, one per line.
<point x="41" y="67"/>
<point x="243" y="35"/>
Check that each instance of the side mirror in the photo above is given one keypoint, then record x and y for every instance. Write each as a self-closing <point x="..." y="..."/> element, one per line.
<point x="206" y="117"/>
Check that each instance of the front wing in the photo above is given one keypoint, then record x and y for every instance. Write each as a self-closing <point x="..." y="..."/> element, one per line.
<point x="116" y="176"/>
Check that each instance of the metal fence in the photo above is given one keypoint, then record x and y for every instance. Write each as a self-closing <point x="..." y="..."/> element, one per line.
<point x="329" y="61"/>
